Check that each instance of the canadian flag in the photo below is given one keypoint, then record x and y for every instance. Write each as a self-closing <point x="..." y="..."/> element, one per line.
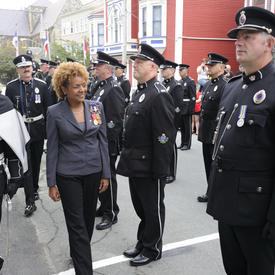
<point x="85" y="49"/>
<point x="15" y="43"/>
<point x="46" y="46"/>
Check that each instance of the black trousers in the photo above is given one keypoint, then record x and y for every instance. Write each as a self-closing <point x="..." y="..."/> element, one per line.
<point x="2" y="188"/>
<point x="186" y="130"/>
<point x="108" y="199"/>
<point x="174" y="162"/>
<point x="207" y="150"/>
<point x="244" y="251"/>
<point x="148" y="200"/>
<point x="79" y="198"/>
<point x="36" y="149"/>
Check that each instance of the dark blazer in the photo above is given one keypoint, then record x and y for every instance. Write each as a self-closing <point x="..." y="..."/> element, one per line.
<point x="70" y="151"/>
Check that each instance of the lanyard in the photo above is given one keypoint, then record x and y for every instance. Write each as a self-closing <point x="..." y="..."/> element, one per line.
<point x="22" y="98"/>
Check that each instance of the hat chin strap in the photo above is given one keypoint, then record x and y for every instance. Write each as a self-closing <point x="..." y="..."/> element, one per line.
<point x="256" y="27"/>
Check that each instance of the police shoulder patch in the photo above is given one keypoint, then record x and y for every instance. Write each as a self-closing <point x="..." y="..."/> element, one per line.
<point x="40" y="80"/>
<point x="160" y="88"/>
<point x="234" y="78"/>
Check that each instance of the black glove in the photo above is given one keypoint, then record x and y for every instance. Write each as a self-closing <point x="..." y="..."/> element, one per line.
<point x="269" y="231"/>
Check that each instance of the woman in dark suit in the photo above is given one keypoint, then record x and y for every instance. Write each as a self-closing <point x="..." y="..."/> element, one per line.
<point x="77" y="158"/>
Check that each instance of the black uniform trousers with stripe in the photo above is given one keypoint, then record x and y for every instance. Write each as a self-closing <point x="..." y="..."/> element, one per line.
<point x="148" y="200"/>
<point x="108" y="199"/>
<point x="79" y="196"/>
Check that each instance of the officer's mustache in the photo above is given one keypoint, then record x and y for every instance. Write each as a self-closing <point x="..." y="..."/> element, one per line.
<point x="26" y="71"/>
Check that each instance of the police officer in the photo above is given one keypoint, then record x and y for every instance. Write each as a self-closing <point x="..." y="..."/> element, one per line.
<point x="57" y="60"/>
<point x="241" y="183"/>
<point x="13" y="155"/>
<point x="123" y="82"/>
<point x="189" y="101"/>
<point x="149" y="138"/>
<point x="212" y="93"/>
<point x="52" y="93"/>
<point x="44" y="69"/>
<point x="175" y="89"/>
<point x="94" y="81"/>
<point x="35" y="65"/>
<point x="112" y="97"/>
<point x="30" y="97"/>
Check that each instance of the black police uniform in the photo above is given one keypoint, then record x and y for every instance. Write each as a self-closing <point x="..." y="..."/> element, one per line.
<point x="212" y="94"/>
<point x="112" y="98"/>
<point x="39" y="74"/>
<point x="188" y="109"/>
<point x="92" y="87"/>
<point x="149" y="138"/>
<point x="125" y="85"/>
<point x="31" y="100"/>
<point x="174" y="88"/>
<point x="241" y="182"/>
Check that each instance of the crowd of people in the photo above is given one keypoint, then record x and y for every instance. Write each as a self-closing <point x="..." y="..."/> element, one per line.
<point x="89" y="117"/>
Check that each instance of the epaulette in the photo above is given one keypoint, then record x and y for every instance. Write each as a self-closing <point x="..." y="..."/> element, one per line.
<point x="12" y="81"/>
<point x="160" y="87"/>
<point x="234" y="78"/>
<point x="38" y="79"/>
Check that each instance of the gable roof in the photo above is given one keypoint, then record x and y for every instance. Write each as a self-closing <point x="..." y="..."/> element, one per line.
<point x="12" y="20"/>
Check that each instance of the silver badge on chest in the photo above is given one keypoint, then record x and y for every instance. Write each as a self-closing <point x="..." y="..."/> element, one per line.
<point x="215" y="88"/>
<point x="142" y="97"/>
<point x="259" y="97"/>
<point x="101" y="92"/>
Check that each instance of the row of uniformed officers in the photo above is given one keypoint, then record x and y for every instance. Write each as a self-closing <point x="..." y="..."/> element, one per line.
<point x="84" y="142"/>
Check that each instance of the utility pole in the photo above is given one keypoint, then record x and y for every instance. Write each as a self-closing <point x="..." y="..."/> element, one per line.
<point x="124" y="52"/>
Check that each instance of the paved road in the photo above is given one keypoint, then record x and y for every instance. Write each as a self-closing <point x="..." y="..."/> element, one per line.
<point x="39" y="245"/>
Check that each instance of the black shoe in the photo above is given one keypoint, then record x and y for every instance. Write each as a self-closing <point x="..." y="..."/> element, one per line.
<point x="203" y="198"/>
<point x="131" y="253"/>
<point x="140" y="260"/>
<point x="36" y="196"/>
<point x="29" y="209"/>
<point x="1" y="262"/>
<point x="169" y="179"/>
<point x="179" y="147"/>
<point x="98" y="213"/>
<point x="105" y="223"/>
<point x="184" y="147"/>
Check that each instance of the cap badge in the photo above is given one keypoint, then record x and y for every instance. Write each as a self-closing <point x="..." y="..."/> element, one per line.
<point x="269" y="31"/>
<point x="142" y="97"/>
<point x="163" y="139"/>
<point x="23" y="59"/>
<point x="259" y="97"/>
<point x="139" y="49"/>
<point x="242" y="18"/>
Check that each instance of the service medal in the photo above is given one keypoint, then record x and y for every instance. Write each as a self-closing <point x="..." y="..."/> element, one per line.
<point x="95" y="122"/>
<point x="259" y="97"/>
<point x="36" y="90"/>
<point x="142" y="97"/>
<point x="242" y="114"/>
<point x="240" y="122"/>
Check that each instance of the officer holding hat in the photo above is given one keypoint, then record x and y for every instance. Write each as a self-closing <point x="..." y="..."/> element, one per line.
<point x="189" y="101"/>
<point x="30" y="97"/>
<point x="212" y="93"/>
<point x="241" y="194"/>
<point x="149" y="139"/>
<point x="112" y="97"/>
<point x="174" y="88"/>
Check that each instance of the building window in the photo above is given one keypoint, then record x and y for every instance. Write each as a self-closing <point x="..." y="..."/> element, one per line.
<point x="92" y="35"/>
<point x="259" y="3"/>
<point x="156" y="20"/>
<point x="116" y="25"/>
<point x="72" y="26"/>
<point x="100" y="34"/>
<point x="144" y="23"/>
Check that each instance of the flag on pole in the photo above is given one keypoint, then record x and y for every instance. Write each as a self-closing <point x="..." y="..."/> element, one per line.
<point x="85" y="49"/>
<point x="15" y="43"/>
<point x="46" y="45"/>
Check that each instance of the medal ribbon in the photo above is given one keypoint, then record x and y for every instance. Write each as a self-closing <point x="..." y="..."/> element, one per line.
<point x="242" y="112"/>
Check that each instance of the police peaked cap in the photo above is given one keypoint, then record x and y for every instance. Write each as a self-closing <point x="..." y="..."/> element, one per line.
<point x="22" y="60"/>
<point x="254" y="18"/>
<point x="147" y="52"/>
<point x="70" y="59"/>
<point x="183" y="66"/>
<point x="52" y="64"/>
<point x="57" y="58"/>
<point x="44" y="61"/>
<point x="29" y="52"/>
<point x="169" y="64"/>
<point x="121" y="66"/>
<point x="104" y="58"/>
<point x="215" y="58"/>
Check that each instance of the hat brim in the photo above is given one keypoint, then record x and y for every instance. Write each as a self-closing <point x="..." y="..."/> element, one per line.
<point x="24" y="64"/>
<point x="134" y="57"/>
<point x="234" y="32"/>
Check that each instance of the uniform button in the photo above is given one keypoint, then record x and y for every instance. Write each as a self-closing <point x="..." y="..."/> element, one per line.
<point x="228" y="127"/>
<point x="244" y="86"/>
<point x="219" y="170"/>
<point x="259" y="189"/>
<point x="236" y="105"/>
<point x="221" y="147"/>
<point x="250" y="122"/>
<point x="131" y="103"/>
<point x="127" y="116"/>
<point x="137" y="113"/>
<point x="143" y="157"/>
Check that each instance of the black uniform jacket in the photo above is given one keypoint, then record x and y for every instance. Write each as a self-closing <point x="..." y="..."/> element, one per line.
<point x="189" y="97"/>
<point x="209" y="109"/>
<point x="241" y="184"/>
<point x="35" y="104"/>
<point x="92" y="87"/>
<point x="149" y="133"/>
<point x="125" y="85"/>
<point x="112" y="98"/>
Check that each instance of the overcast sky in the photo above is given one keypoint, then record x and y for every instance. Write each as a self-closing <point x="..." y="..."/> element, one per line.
<point x="21" y="4"/>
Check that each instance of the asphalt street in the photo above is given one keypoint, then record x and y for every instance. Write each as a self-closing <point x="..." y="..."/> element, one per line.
<point x="39" y="245"/>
